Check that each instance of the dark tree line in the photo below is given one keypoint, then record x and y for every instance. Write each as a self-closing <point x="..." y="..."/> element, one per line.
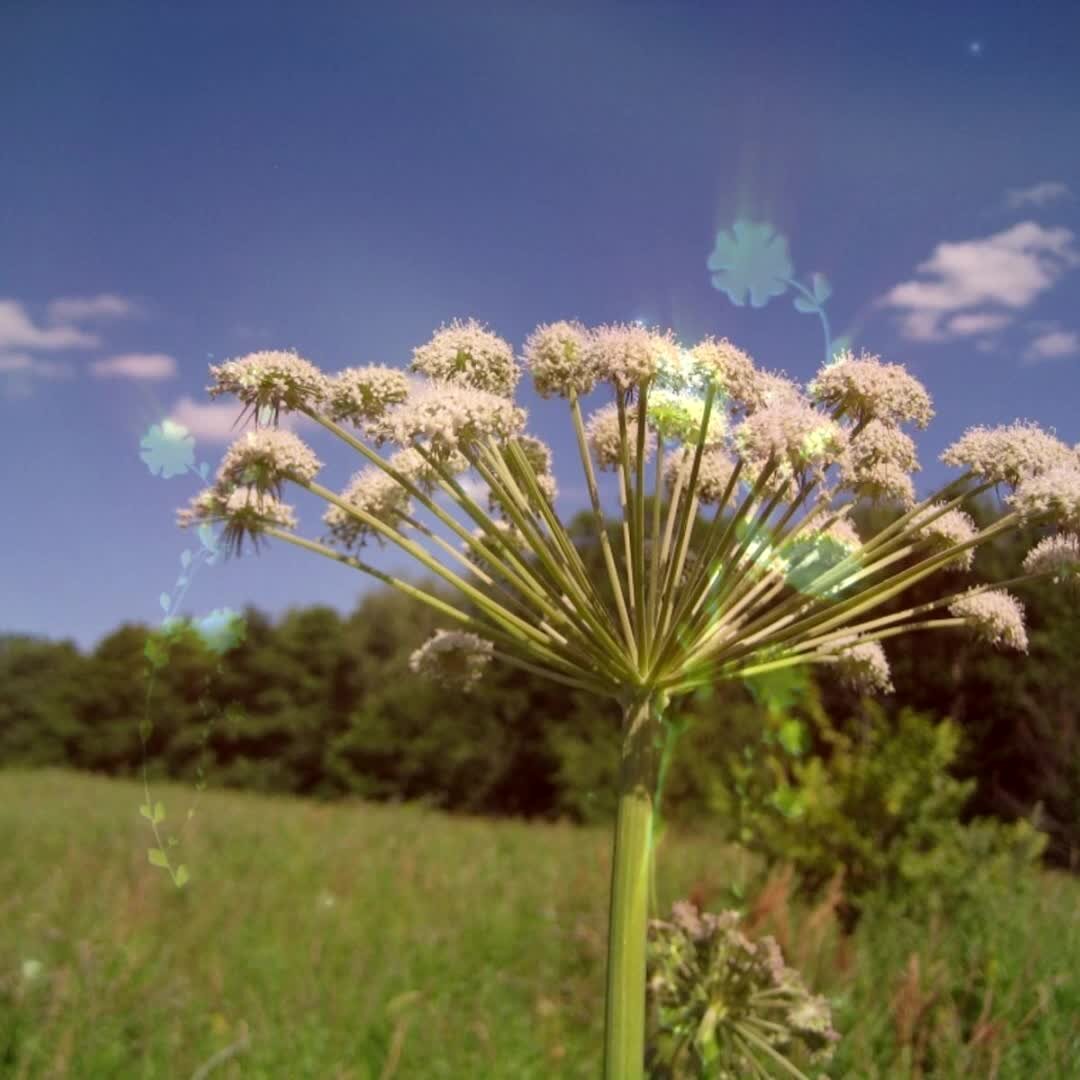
<point x="326" y="706"/>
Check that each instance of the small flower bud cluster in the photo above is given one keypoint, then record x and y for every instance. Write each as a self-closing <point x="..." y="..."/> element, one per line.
<point x="867" y="389"/>
<point x="945" y="531"/>
<point x="468" y="354"/>
<point x="707" y="983"/>
<point x="561" y="359"/>
<point x="265" y="458"/>
<point x="270" y="380"/>
<point x="1056" y="555"/>
<point x="602" y="432"/>
<point x="864" y="667"/>
<point x="995" y="616"/>
<point x="1054" y="493"/>
<point x="1010" y="453"/>
<point x="453" y="659"/>
<point x="376" y="493"/>
<point x="362" y="395"/>
<point x="714" y="473"/>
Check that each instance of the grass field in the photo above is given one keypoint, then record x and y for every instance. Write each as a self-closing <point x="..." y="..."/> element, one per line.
<point x="358" y="942"/>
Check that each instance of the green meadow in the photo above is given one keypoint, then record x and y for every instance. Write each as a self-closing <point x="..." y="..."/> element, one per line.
<point x="363" y="942"/>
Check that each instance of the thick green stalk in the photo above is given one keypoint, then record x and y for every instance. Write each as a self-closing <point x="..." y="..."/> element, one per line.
<point x="624" y="1025"/>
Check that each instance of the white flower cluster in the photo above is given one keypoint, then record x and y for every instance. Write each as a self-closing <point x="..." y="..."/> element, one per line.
<point x="265" y="457"/>
<point x="270" y="380"/>
<point x="411" y="464"/>
<point x="627" y="355"/>
<point x="245" y="505"/>
<point x="1054" y="493"/>
<point x="361" y="395"/>
<point x="867" y="389"/>
<point x="864" y="667"/>
<point x="561" y="359"/>
<point x="468" y="354"/>
<point x="798" y="434"/>
<point x="877" y="462"/>
<point x="1009" y="453"/>
<point x="1056" y="555"/>
<point x="732" y="370"/>
<point x="448" y="417"/>
<point x="714" y="473"/>
<point x="452" y="658"/>
<point x="602" y="432"/>
<point x="376" y="493"/>
<point x="949" y="529"/>
<point x="510" y="534"/>
<point x="995" y="616"/>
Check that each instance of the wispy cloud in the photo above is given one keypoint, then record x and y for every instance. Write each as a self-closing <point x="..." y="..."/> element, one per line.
<point x="81" y="308"/>
<point x="216" y="422"/>
<point x="1052" y="344"/>
<point x="1008" y="270"/>
<point x="1046" y="191"/>
<point x="18" y="331"/>
<point x="135" y="366"/>
<point x="23" y="364"/>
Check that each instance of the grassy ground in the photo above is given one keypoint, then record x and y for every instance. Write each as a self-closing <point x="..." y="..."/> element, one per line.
<point x="360" y="942"/>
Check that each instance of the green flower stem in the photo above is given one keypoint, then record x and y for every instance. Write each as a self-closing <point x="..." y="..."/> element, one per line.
<point x="654" y="570"/>
<point x="629" y="522"/>
<point x="639" y="518"/>
<point x="605" y="542"/>
<point x="628" y="553"/>
<point x="672" y="732"/>
<point x="749" y="1036"/>
<point x="590" y="685"/>
<point x="673" y="509"/>
<point x="624" y="1026"/>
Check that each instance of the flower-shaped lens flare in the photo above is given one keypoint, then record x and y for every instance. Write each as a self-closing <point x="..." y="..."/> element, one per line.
<point x="168" y="449"/>
<point x="752" y="259"/>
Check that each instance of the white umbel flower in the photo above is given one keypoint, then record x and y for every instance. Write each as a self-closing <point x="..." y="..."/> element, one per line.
<point x="628" y="355"/>
<point x="270" y="380"/>
<point x="995" y="616"/>
<point x="678" y="415"/>
<point x="1009" y="453"/>
<point x="1054" y="493"/>
<point x="1058" y="556"/>
<point x="864" y="667"/>
<point x="376" y="493"/>
<point x="714" y="473"/>
<point x="468" y="354"/>
<point x="731" y="369"/>
<point x="602" y="432"/>
<point x="245" y="511"/>
<point x="361" y="395"/>
<point x="265" y="458"/>
<point x="949" y="529"/>
<point x="868" y="389"/>
<point x="452" y="658"/>
<point x="560" y="357"/>
<point x="798" y="434"/>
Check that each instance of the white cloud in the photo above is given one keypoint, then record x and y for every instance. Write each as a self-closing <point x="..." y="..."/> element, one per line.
<point x="977" y="323"/>
<point x="22" y="364"/>
<point x="1052" y="344"/>
<point x="1010" y="269"/>
<point x="217" y="422"/>
<point x="1037" y="195"/>
<point x="102" y="306"/>
<point x="17" y="330"/>
<point x="135" y="366"/>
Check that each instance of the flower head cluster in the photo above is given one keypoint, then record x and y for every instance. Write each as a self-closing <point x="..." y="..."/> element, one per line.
<point x="714" y="473"/>
<point x="468" y="354"/>
<point x="374" y="492"/>
<point x="561" y="360"/>
<point x="245" y="510"/>
<point x="602" y="431"/>
<point x="730" y="369"/>
<point x="800" y="436"/>
<point x="708" y="986"/>
<point x="422" y="473"/>
<point x="995" y="616"/>
<point x="1054" y="493"/>
<point x="265" y="458"/>
<point x="679" y="415"/>
<point x="877" y="462"/>
<point x="452" y="658"/>
<point x="627" y="355"/>
<point x="361" y="395"/>
<point x="867" y="389"/>
<point x="864" y="667"/>
<point x="1056" y="555"/>
<point x="774" y="388"/>
<point x="448" y="418"/>
<point x="1010" y="453"/>
<point x="945" y="531"/>
<point x="509" y="533"/>
<point x="270" y="380"/>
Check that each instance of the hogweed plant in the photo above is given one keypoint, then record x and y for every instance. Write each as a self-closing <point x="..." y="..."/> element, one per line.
<point x="775" y="576"/>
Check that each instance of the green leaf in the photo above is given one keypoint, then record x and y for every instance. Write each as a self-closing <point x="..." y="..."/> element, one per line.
<point x="822" y="288"/>
<point x="807" y="307"/>
<point x="164" y="599"/>
<point x="158" y="857"/>
<point x="181" y="877"/>
<point x="146" y="812"/>
<point x="159" y="813"/>
<point x="792" y="737"/>
<point x="185" y="558"/>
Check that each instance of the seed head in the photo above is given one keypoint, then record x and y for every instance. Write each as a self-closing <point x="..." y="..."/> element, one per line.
<point x="864" y="667"/>
<point x="951" y="528"/>
<point x="714" y="473"/>
<point x="1054" y="493"/>
<point x="246" y="511"/>
<point x="628" y="355"/>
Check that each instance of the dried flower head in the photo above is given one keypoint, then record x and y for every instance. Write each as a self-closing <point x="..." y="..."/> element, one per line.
<point x="1056" y="555"/>
<point x="995" y="616"/>
<point x="375" y="492"/>
<point x="867" y="389"/>
<point x="863" y="666"/>
<point x="714" y="473"/>
<point x="1010" y="453"/>
<point x="452" y="658"/>
<point x="468" y="354"/>
<point x="945" y="531"/>
<point x="1054" y="493"/>
<point x="270" y="381"/>
<point x="361" y="395"/>
<point x="602" y="432"/>
<point x="448" y="418"/>
<point x="561" y="360"/>
<point x="265" y="458"/>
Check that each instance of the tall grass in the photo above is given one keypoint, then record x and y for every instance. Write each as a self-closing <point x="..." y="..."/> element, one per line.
<point x="362" y="942"/>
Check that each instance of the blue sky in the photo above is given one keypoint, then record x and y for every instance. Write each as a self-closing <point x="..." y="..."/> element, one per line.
<point x="182" y="184"/>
